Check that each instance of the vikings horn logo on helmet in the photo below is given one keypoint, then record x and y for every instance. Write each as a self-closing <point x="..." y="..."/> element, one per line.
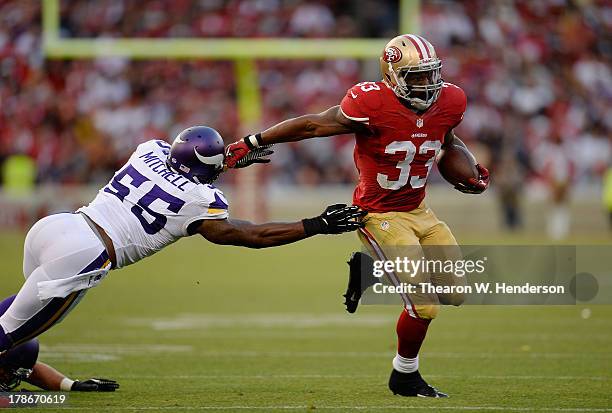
<point x="209" y="160"/>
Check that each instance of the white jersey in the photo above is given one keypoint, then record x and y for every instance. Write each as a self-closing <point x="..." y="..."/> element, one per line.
<point x="146" y="206"/>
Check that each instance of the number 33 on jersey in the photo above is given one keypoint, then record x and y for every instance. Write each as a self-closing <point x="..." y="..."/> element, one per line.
<point x="396" y="153"/>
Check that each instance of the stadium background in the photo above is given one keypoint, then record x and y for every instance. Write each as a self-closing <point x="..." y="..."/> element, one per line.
<point x="538" y="79"/>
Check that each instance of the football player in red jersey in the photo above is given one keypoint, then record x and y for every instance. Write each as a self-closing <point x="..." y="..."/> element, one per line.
<point x="400" y="125"/>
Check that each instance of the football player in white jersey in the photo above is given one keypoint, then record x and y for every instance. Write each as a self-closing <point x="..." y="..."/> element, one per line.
<point x="161" y="194"/>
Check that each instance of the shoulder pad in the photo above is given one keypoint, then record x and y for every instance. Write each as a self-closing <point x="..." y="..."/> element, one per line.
<point x="454" y="98"/>
<point x="154" y="143"/>
<point x="213" y="196"/>
<point x="370" y="95"/>
<point x="162" y="143"/>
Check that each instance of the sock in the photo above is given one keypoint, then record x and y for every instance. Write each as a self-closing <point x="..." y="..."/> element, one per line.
<point x="410" y="335"/>
<point x="5" y="342"/>
<point x="405" y="365"/>
<point x="66" y="384"/>
<point x="6" y="303"/>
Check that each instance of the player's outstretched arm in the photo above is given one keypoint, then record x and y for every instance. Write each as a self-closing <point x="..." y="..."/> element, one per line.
<point x="336" y="219"/>
<point x="329" y="123"/>
<point x="47" y="378"/>
<point x="476" y="186"/>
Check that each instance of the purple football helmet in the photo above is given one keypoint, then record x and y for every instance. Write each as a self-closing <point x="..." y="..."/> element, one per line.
<point x="197" y="154"/>
<point x="17" y="363"/>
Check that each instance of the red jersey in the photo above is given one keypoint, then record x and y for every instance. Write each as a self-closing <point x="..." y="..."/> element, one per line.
<point x="394" y="159"/>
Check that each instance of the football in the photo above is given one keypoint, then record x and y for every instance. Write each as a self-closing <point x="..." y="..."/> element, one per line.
<point x="457" y="165"/>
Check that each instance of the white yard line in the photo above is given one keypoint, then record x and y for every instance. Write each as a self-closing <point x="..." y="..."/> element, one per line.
<point x="297" y="321"/>
<point x="96" y="353"/>
<point x="348" y="408"/>
<point x="359" y="376"/>
<point x="78" y="357"/>
<point x="109" y="352"/>
<point x="386" y="354"/>
<point x="115" y="348"/>
<point x="261" y="320"/>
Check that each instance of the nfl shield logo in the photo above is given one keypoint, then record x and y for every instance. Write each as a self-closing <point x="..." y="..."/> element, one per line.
<point x="419" y="123"/>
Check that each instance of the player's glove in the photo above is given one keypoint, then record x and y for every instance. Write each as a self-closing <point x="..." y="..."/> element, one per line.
<point x="100" y="385"/>
<point x="336" y="219"/>
<point x="476" y="186"/>
<point x="236" y="151"/>
<point x="255" y="156"/>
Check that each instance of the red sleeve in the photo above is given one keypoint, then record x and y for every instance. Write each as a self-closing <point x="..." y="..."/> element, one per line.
<point x="457" y="102"/>
<point x="352" y="106"/>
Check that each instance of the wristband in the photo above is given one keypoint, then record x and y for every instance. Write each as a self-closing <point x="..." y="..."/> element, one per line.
<point x="66" y="384"/>
<point x="253" y="141"/>
<point x="313" y="226"/>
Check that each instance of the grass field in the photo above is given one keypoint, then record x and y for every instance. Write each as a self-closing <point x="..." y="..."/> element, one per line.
<point x="205" y="328"/>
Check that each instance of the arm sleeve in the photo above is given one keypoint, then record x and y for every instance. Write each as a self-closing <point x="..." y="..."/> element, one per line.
<point x="213" y="205"/>
<point x="352" y="106"/>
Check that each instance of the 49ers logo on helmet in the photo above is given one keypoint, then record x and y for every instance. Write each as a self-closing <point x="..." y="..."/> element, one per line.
<point x="392" y="54"/>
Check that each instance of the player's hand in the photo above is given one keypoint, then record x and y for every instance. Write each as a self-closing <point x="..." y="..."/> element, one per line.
<point x="234" y="152"/>
<point x="476" y="186"/>
<point x="99" y="385"/>
<point x="336" y="219"/>
<point x="255" y="156"/>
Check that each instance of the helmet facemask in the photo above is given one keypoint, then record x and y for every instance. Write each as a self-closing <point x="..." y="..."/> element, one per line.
<point x="419" y="96"/>
<point x="198" y="179"/>
<point x="11" y="378"/>
<point x="209" y="179"/>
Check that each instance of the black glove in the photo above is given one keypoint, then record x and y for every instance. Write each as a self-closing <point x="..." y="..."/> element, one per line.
<point x="336" y="219"/>
<point x="361" y="269"/>
<point x="255" y="156"/>
<point x="102" y="385"/>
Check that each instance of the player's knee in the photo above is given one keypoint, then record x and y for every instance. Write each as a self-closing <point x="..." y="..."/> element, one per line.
<point x="442" y="226"/>
<point x="442" y="234"/>
<point x="427" y="311"/>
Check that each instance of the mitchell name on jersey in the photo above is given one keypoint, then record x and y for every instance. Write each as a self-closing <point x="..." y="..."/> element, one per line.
<point x="146" y="206"/>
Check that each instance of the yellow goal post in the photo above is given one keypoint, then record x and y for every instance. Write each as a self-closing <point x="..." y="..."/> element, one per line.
<point x="242" y="51"/>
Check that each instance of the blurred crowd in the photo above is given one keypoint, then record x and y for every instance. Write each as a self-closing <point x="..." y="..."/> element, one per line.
<point x="233" y="18"/>
<point x="537" y="75"/>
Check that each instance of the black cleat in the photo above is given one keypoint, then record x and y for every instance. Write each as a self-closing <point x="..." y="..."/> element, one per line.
<point x="412" y="385"/>
<point x="361" y="268"/>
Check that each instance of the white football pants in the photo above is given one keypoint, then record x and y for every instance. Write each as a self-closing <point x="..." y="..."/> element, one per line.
<point x="63" y="257"/>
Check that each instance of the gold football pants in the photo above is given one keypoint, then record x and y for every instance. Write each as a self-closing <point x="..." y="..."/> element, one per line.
<point x="417" y="235"/>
